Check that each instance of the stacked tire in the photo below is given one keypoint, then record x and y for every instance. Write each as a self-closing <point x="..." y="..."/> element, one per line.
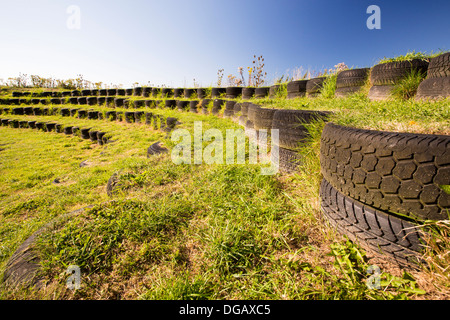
<point x="379" y="186"/>
<point x="296" y="89"/>
<point x="292" y="132"/>
<point x="385" y="76"/>
<point x="314" y="86"/>
<point x="351" y="81"/>
<point x="437" y="83"/>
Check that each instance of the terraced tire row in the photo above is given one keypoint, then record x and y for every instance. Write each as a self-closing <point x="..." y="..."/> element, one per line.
<point x="86" y="133"/>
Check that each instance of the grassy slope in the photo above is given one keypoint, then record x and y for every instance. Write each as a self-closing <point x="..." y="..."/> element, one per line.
<point x="194" y="231"/>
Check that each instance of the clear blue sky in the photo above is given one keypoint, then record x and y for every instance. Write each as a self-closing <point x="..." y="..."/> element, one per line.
<point x="171" y="42"/>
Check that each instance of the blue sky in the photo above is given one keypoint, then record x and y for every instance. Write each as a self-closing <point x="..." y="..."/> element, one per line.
<point x="172" y="42"/>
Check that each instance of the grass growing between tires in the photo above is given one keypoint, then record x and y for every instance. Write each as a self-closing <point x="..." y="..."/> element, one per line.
<point x="196" y="231"/>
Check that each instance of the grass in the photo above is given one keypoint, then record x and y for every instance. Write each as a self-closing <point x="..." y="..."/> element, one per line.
<point x="198" y="231"/>
<point x="412" y="55"/>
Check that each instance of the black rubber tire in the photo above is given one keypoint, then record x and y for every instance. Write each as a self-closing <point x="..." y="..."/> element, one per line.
<point x="76" y="93"/>
<point x="27" y="110"/>
<point x="91" y="101"/>
<point x="251" y="112"/>
<point x="263" y="119"/>
<point x="248" y="93"/>
<point x="390" y="73"/>
<point x="86" y="93"/>
<point x="129" y="92"/>
<point x="262" y="92"/>
<point x="229" y="105"/>
<point x="32" y="124"/>
<point x="59" y="128"/>
<point x="146" y="91"/>
<point x="50" y="127"/>
<point x="156" y="92"/>
<point x="291" y="126"/>
<point x="120" y="92"/>
<point x="73" y="112"/>
<point x="374" y="230"/>
<point x="119" y="102"/>
<point x="76" y="131"/>
<point x="73" y="100"/>
<point x="82" y="100"/>
<point x="150" y="104"/>
<point x="237" y="108"/>
<point x="129" y="117"/>
<point x="68" y="130"/>
<point x="93" y="135"/>
<point x="352" y="78"/>
<point x="23" y="124"/>
<point x="394" y="172"/>
<point x="274" y="90"/>
<point x="92" y="115"/>
<point x="233" y="92"/>
<point x="193" y="105"/>
<point x="101" y="101"/>
<point x="314" y="86"/>
<point x="439" y="66"/>
<point x="178" y="92"/>
<point x="85" y="133"/>
<point x="16" y="94"/>
<point x="190" y="93"/>
<point x="35" y="101"/>
<point x="137" y="92"/>
<point x="218" y="105"/>
<point x="182" y="105"/>
<point x="111" y="115"/>
<point x="170" y="103"/>
<point x="148" y="118"/>
<point x="244" y="108"/>
<point x="288" y="160"/>
<point x="103" y="92"/>
<point x="380" y="93"/>
<point x="218" y="92"/>
<point x="111" y="92"/>
<point x="26" y="101"/>
<point x="17" y="111"/>
<point x="100" y="135"/>
<point x="139" y="104"/>
<point x="345" y="91"/>
<point x="167" y="92"/>
<point x="45" y="101"/>
<point x="434" y="89"/>
<point x="201" y="93"/>
<point x="37" y="111"/>
<point x="82" y="114"/>
<point x="138" y="116"/>
<point x="65" y="94"/>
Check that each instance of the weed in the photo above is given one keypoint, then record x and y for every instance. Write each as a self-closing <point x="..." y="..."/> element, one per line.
<point x="406" y="88"/>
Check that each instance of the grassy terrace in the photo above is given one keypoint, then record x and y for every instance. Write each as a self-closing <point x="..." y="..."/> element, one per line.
<point x="196" y="231"/>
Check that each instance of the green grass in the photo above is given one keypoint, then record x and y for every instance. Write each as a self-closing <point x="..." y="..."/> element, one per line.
<point x="411" y="55"/>
<point x="194" y="231"/>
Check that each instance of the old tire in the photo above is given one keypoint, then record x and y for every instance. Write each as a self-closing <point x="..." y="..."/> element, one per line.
<point x="373" y="229"/>
<point x="392" y="72"/>
<point x="394" y="172"/>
